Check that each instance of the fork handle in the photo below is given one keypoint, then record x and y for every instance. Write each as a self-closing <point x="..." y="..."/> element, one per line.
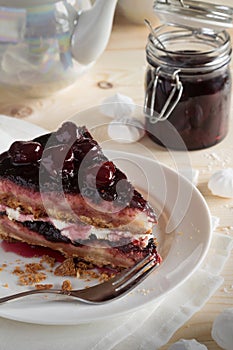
<point x="31" y="292"/>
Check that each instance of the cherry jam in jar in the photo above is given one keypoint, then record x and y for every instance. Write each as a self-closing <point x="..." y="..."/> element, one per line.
<point x="188" y="87"/>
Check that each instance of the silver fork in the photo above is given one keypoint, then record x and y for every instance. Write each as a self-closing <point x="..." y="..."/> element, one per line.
<point x="104" y="292"/>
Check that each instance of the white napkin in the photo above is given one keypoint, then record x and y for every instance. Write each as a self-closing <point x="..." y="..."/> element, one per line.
<point x="147" y="328"/>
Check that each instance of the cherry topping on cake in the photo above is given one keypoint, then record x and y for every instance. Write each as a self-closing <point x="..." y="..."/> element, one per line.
<point x="57" y="159"/>
<point x="106" y="174"/>
<point x="67" y="133"/>
<point x="25" y="152"/>
<point x="82" y="147"/>
<point x="99" y="176"/>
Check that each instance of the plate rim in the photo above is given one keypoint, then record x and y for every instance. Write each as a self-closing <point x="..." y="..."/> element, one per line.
<point x="6" y="118"/>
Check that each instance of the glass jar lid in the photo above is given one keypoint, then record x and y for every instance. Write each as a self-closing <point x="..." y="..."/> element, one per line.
<point x="195" y="14"/>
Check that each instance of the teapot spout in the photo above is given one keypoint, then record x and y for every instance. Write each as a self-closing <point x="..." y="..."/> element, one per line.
<point x="92" y="31"/>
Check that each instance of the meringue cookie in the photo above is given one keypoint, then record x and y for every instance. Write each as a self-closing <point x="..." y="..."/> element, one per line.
<point x="126" y="130"/>
<point x="221" y="183"/>
<point x="183" y="344"/>
<point x="117" y="106"/>
<point x="222" y="329"/>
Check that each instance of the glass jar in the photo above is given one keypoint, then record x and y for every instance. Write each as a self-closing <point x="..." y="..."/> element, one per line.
<point x="188" y="86"/>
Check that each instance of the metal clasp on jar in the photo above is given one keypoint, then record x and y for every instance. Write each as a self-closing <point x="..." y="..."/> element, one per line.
<point x="172" y="99"/>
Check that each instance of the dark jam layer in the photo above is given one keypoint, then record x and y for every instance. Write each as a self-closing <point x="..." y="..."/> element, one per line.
<point x="201" y="116"/>
<point x="52" y="234"/>
<point x="69" y="161"/>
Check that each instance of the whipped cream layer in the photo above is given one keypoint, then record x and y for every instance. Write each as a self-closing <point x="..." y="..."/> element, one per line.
<point x="78" y="230"/>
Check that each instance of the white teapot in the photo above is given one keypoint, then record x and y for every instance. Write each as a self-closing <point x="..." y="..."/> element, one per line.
<point x="45" y="45"/>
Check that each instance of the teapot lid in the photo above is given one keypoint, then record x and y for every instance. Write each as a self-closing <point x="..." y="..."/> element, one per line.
<point x="195" y="14"/>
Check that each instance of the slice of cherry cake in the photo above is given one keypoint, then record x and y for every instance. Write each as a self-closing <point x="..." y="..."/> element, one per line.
<point x="60" y="191"/>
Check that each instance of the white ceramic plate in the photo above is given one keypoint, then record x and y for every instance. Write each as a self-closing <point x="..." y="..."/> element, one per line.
<point x="184" y="235"/>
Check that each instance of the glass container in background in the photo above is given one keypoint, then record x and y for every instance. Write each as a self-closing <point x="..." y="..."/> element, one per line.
<point x="188" y="79"/>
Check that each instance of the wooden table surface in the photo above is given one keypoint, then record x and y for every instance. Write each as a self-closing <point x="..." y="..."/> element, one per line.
<point x="123" y="65"/>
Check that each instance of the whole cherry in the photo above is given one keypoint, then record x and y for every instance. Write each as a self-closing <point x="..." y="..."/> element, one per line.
<point x="25" y="152"/>
<point x="106" y="174"/>
<point x="58" y="159"/>
<point x="67" y="133"/>
<point x="85" y="148"/>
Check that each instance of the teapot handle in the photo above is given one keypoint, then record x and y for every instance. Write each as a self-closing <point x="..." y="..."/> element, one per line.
<point x="92" y="31"/>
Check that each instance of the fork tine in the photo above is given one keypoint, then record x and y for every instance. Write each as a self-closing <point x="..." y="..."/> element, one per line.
<point x="119" y="279"/>
<point x="138" y="276"/>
